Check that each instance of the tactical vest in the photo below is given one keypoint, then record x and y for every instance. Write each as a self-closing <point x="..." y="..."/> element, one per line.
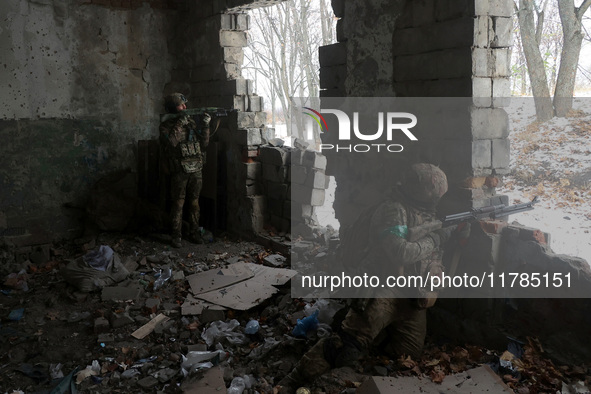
<point x="186" y="156"/>
<point x="189" y="156"/>
<point x="359" y="249"/>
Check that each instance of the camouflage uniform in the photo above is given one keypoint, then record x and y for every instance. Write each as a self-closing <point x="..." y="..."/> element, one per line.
<point x="401" y="310"/>
<point x="183" y="145"/>
<point x="402" y="313"/>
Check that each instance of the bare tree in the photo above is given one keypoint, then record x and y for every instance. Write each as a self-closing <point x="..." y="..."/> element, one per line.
<point x="519" y="67"/>
<point x="542" y="61"/>
<point x="572" y="28"/>
<point x="530" y="33"/>
<point x="284" y="50"/>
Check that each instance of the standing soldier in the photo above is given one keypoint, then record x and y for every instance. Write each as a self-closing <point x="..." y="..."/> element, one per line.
<point x="183" y="143"/>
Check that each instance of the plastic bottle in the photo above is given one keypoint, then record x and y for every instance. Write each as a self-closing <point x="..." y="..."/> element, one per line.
<point x="306" y="324"/>
<point x="252" y="327"/>
<point x="237" y="386"/>
<point x="164" y="276"/>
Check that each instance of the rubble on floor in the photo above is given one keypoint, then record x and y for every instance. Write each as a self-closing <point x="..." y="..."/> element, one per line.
<point x="208" y="318"/>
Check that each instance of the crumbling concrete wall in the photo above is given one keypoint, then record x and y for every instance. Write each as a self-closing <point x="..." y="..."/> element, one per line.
<point x="81" y="83"/>
<point x="554" y="314"/>
<point x="427" y="48"/>
<point x="451" y="48"/>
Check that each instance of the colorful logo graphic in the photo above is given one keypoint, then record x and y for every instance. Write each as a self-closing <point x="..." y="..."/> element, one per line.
<point x="316" y="119"/>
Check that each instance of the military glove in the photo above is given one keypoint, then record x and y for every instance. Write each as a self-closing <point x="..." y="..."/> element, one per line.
<point x="205" y="119"/>
<point x="442" y="235"/>
<point x="463" y="230"/>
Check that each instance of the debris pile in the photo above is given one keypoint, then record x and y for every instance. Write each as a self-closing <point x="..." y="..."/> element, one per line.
<point x="217" y="316"/>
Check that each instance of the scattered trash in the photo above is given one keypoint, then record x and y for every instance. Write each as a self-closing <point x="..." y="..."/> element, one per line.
<point x="260" y="351"/>
<point x="99" y="259"/>
<point x="16" y="314"/>
<point x="213" y="342"/>
<point x="220" y="329"/>
<point x="326" y="309"/>
<point x="274" y="260"/>
<point x="306" y="324"/>
<point x="252" y="327"/>
<point x="139" y="362"/>
<point x="164" y="276"/>
<point x="90" y="370"/>
<point x="147" y="328"/>
<point x="575" y="388"/>
<point x="130" y="373"/>
<point x="195" y="360"/>
<point x="55" y="370"/>
<point x="237" y="386"/>
<point x="17" y="281"/>
<point x="86" y="278"/>
<point x="66" y="385"/>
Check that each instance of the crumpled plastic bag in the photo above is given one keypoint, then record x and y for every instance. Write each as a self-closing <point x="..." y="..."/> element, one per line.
<point x="196" y="360"/>
<point x="219" y="329"/>
<point x="99" y="259"/>
<point x="260" y="351"/>
<point x="90" y="370"/>
<point x="17" y="281"/>
<point x="86" y="278"/>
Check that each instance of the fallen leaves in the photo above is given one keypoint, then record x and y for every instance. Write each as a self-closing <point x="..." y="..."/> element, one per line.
<point x="550" y="159"/>
<point x="437" y="362"/>
<point x="532" y="372"/>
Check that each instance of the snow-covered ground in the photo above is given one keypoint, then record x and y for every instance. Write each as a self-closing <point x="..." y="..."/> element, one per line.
<point x="553" y="161"/>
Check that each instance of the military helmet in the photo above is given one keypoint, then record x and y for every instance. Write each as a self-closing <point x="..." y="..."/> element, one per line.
<point x="172" y="101"/>
<point x="425" y="184"/>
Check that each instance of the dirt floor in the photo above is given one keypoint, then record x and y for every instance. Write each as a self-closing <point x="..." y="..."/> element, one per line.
<point x="53" y="336"/>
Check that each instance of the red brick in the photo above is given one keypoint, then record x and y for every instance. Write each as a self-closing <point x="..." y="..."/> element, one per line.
<point x="473" y="182"/>
<point x="527" y="234"/>
<point x="493" y="226"/>
<point x="491" y="181"/>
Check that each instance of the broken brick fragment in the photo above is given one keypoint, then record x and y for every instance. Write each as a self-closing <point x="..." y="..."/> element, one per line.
<point x="491" y="181"/>
<point x="493" y="226"/>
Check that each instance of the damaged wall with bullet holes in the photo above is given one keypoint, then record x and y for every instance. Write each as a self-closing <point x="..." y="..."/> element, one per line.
<point x="81" y="83"/>
<point x="451" y="48"/>
<point x="84" y="81"/>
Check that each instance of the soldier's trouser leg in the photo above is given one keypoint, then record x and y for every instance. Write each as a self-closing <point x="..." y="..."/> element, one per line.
<point x="408" y="336"/>
<point x="365" y="326"/>
<point x="193" y="190"/>
<point x="311" y="365"/>
<point x="176" y="216"/>
<point x="408" y="322"/>
<point x="178" y="187"/>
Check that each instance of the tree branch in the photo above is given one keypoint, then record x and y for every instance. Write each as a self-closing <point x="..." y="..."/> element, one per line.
<point x="582" y="9"/>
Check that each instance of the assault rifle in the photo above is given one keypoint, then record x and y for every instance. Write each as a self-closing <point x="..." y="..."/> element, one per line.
<point x="490" y="212"/>
<point x="195" y="112"/>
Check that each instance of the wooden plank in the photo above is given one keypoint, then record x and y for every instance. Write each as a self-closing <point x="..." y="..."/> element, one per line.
<point x="147" y="328"/>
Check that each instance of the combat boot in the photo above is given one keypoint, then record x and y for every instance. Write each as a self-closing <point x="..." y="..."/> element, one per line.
<point x="196" y="238"/>
<point x="350" y="352"/>
<point x="176" y="242"/>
